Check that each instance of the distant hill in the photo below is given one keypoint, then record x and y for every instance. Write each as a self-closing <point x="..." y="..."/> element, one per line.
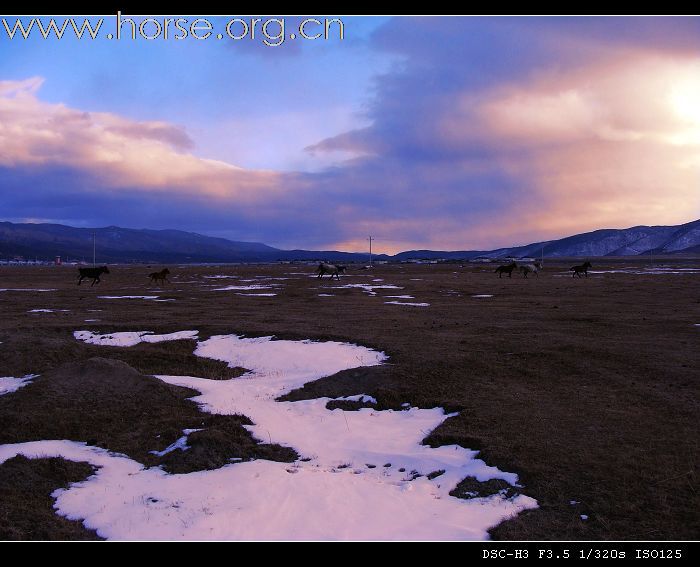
<point x="633" y="241"/>
<point x="115" y="244"/>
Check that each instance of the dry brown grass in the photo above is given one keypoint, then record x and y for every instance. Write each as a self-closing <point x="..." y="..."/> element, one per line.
<point x="26" y="505"/>
<point x="588" y="389"/>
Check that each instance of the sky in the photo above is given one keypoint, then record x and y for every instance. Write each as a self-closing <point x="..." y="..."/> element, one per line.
<point x="443" y="133"/>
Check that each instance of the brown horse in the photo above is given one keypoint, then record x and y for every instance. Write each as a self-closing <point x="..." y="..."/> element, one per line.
<point x="582" y="269"/>
<point x="507" y="269"/>
<point x="159" y="277"/>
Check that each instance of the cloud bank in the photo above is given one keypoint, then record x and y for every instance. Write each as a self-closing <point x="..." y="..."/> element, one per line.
<point x="485" y="132"/>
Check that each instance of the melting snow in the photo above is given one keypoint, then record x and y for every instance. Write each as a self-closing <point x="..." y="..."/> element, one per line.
<point x="647" y="271"/>
<point x="130" y="338"/>
<point x="407" y="303"/>
<point x="351" y="488"/>
<point x="48" y="311"/>
<point x="258" y="294"/>
<point x="368" y="288"/>
<point x="128" y="296"/>
<point x="482" y="296"/>
<point x="245" y="287"/>
<point x="9" y="384"/>
<point x="180" y="444"/>
<point x="27" y="289"/>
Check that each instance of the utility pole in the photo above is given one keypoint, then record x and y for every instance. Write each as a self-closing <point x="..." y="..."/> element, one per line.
<point x="370" y="251"/>
<point x="94" y="263"/>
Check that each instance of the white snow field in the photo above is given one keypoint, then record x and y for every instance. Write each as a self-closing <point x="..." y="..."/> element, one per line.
<point x="9" y="384"/>
<point x="350" y="489"/>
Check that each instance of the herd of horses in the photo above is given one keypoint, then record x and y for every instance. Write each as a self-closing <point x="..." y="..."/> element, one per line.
<point x="95" y="273"/>
<point x="334" y="270"/>
<point x="536" y="268"/>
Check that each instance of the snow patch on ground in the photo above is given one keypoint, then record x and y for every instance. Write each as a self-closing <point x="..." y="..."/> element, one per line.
<point x="407" y="303"/>
<point x="258" y="500"/>
<point x="48" y="311"/>
<point x="361" y="480"/>
<point x="26" y="289"/>
<point x="128" y="297"/>
<point x="399" y="297"/>
<point x="179" y="445"/>
<point x="246" y="287"/>
<point x="368" y="288"/>
<point x="656" y="271"/>
<point x="258" y="294"/>
<point x="131" y="338"/>
<point x="9" y="384"/>
<point x="482" y="296"/>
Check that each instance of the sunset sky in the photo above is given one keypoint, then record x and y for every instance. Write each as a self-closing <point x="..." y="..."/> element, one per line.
<point x="442" y="133"/>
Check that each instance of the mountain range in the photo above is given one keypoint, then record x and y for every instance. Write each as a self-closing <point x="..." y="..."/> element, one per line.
<point x="115" y="244"/>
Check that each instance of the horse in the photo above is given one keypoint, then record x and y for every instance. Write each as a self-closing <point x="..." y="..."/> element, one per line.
<point x="161" y="276"/>
<point x="533" y="268"/>
<point x="93" y="273"/>
<point x="507" y="269"/>
<point x="578" y="270"/>
<point x="332" y="269"/>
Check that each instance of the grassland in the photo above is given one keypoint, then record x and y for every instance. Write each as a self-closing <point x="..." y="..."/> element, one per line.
<point x="586" y="388"/>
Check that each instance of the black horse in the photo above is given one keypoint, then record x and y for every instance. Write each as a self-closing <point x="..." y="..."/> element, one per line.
<point x="93" y="273"/>
<point x="508" y="269"/>
<point x="582" y="269"/>
<point x="161" y="276"/>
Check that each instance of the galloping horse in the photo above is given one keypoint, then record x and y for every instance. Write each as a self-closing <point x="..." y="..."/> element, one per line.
<point x="93" y="273"/>
<point x="533" y="268"/>
<point x="508" y="269"/>
<point x="331" y="269"/>
<point x="582" y="269"/>
<point x="161" y="276"/>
